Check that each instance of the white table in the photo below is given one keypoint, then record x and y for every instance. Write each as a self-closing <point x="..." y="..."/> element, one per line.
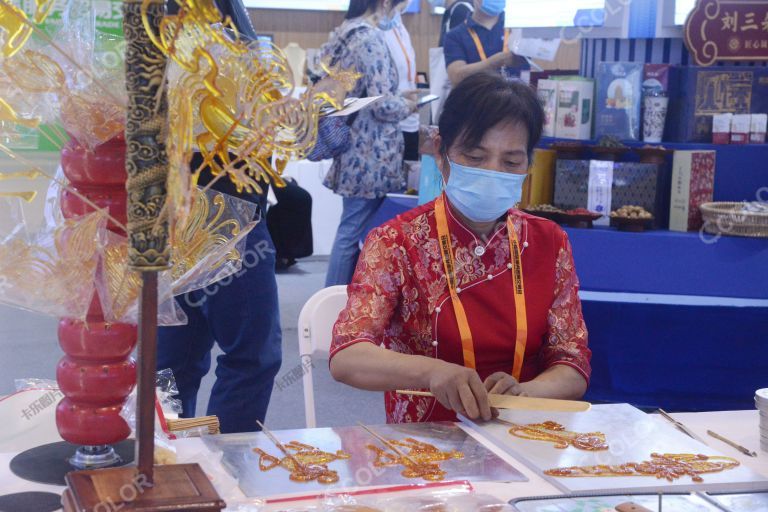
<point x="739" y="426"/>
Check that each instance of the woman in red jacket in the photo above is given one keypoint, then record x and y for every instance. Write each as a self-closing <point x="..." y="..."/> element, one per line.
<point x="466" y="295"/>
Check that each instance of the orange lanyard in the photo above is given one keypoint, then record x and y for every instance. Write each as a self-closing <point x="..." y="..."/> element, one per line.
<point x="479" y="44"/>
<point x="411" y="77"/>
<point x="467" y="344"/>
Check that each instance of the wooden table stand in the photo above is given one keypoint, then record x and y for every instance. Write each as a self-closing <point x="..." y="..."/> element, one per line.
<point x="176" y="487"/>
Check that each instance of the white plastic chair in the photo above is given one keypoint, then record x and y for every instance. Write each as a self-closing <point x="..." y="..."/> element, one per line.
<point x="315" y="328"/>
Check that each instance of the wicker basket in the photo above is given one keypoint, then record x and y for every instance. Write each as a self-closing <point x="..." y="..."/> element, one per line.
<point x="736" y="219"/>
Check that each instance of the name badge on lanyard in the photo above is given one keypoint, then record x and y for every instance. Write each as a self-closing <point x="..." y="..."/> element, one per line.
<point x="446" y="251"/>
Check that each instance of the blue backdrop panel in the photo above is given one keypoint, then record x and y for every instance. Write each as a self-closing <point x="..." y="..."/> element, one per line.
<point x="665" y="262"/>
<point x="677" y="357"/>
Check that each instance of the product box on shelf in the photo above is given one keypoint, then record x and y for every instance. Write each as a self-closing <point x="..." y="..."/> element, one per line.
<point x="758" y="128"/>
<point x="656" y="79"/>
<point x="721" y="128"/>
<point x="698" y="93"/>
<point x="693" y="184"/>
<point x="587" y="183"/>
<point x="574" y="109"/>
<point x="547" y="93"/>
<point x="655" y="101"/>
<point x="740" y="126"/>
<point x="539" y="186"/>
<point x="619" y="99"/>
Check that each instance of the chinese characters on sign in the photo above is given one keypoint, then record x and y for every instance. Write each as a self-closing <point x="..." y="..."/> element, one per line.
<point x="727" y="30"/>
<point x="49" y="399"/>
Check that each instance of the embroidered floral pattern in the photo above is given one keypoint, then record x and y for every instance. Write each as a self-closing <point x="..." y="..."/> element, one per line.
<point x="400" y="281"/>
<point x="372" y="167"/>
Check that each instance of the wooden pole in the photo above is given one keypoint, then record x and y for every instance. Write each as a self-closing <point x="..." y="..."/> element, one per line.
<point x="146" y="163"/>
<point x="147" y="369"/>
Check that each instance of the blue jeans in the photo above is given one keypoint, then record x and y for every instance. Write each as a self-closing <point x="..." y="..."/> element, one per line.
<point x="242" y="316"/>
<point x="355" y="216"/>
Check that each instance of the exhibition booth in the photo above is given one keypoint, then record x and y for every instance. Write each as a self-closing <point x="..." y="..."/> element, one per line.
<point x="653" y="161"/>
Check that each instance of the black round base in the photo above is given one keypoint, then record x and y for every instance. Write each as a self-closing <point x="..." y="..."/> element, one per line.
<point x="30" y="502"/>
<point x="49" y="463"/>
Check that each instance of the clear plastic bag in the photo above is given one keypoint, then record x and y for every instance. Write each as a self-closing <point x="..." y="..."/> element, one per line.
<point x="165" y="384"/>
<point x="165" y="391"/>
<point x="208" y="249"/>
<point x="52" y="272"/>
<point x="30" y="383"/>
<point x="426" y="498"/>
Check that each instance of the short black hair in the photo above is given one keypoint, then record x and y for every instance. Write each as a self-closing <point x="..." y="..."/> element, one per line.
<point x="359" y="7"/>
<point x="484" y="100"/>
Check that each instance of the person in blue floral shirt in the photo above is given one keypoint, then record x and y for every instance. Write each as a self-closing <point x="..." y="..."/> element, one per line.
<point x="372" y="167"/>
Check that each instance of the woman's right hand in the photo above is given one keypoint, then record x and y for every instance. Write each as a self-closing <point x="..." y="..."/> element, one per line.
<point x="460" y="389"/>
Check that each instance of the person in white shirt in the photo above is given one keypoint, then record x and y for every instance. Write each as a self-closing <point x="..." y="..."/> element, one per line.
<point x="404" y="56"/>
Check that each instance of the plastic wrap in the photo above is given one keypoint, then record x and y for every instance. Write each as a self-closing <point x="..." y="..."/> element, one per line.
<point x="12" y="222"/>
<point x="165" y="404"/>
<point x="52" y="215"/>
<point x="210" y="247"/>
<point x="92" y="108"/>
<point x="165" y="384"/>
<point x="31" y="383"/>
<point x="119" y="287"/>
<point x="454" y="498"/>
<point x="53" y="272"/>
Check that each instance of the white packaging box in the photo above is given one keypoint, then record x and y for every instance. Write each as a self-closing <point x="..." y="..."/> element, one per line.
<point x="740" y="126"/>
<point x="547" y="93"/>
<point x="758" y="127"/>
<point x="575" y="103"/>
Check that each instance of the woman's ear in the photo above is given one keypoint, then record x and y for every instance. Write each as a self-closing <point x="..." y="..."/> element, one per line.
<point x="441" y="157"/>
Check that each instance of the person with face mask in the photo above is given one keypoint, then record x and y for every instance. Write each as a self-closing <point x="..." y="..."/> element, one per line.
<point x="466" y="295"/>
<point x="481" y="44"/>
<point x="456" y="13"/>
<point x="373" y="165"/>
<point x="404" y="57"/>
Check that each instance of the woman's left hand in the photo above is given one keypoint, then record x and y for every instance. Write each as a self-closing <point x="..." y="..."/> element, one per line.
<point x="501" y="383"/>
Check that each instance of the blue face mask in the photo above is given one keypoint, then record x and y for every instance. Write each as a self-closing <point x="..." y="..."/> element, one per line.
<point x="389" y="22"/>
<point x="493" y="7"/>
<point x="483" y="196"/>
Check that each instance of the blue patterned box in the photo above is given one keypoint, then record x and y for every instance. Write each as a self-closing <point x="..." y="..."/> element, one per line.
<point x="634" y="183"/>
<point x="698" y="93"/>
<point x="619" y="98"/>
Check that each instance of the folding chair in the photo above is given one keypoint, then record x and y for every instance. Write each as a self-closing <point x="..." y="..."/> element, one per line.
<point x="315" y="325"/>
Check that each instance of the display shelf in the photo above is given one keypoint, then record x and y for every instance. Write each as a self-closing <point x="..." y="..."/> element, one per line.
<point x="667" y="262"/>
<point x="741" y="172"/>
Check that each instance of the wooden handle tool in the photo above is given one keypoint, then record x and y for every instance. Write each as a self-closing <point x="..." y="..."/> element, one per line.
<point x="523" y="402"/>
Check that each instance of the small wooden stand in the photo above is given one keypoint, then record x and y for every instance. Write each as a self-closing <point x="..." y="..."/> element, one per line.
<point x="178" y="487"/>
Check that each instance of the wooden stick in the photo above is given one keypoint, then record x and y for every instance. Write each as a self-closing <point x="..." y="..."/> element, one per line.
<point x="210" y="423"/>
<point x="745" y="451"/>
<point x="147" y="371"/>
<point x="282" y="447"/>
<point x="528" y="403"/>
<point x="389" y="445"/>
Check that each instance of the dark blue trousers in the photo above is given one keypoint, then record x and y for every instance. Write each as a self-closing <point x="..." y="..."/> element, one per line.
<point x="240" y="314"/>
